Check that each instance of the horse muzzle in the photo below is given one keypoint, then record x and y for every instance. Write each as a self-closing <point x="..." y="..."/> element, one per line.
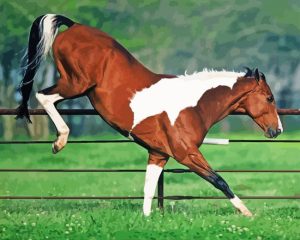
<point x="271" y="133"/>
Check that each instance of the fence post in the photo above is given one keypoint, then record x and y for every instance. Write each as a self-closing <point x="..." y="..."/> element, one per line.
<point x="160" y="191"/>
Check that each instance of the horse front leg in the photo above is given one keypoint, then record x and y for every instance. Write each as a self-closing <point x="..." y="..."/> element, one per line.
<point x="156" y="162"/>
<point x="195" y="161"/>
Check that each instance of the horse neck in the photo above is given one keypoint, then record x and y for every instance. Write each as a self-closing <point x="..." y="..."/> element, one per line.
<point x="220" y="102"/>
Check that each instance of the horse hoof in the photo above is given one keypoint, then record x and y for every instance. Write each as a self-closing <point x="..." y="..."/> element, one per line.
<point x="246" y="213"/>
<point x="147" y="214"/>
<point x="56" y="148"/>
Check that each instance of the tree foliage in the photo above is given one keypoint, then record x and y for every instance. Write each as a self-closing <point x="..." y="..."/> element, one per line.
<point x="172" y="36"/>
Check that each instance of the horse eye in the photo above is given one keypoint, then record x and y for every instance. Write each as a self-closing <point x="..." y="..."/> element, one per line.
<point x="270" y="99"/>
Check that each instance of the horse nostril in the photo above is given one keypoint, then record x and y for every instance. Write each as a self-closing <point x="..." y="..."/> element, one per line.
<point x="271" y="132"/>
<point x="278" y="131"/>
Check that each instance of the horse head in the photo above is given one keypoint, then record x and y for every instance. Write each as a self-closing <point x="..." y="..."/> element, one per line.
<point x="260" y="105"/>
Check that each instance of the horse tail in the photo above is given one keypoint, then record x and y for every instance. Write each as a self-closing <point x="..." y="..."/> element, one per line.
<point x="41" y="37"/>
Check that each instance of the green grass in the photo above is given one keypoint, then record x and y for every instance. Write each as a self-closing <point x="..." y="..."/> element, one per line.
<point x="197" y="219"/>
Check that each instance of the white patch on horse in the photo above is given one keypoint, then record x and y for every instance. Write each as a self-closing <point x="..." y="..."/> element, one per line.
<point x="279" y="124"/>
<point x="152" y="174"/>
<point x="172" y="95"/>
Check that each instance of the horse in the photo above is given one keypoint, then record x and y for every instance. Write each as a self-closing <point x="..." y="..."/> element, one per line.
<point x="168" y="115"/>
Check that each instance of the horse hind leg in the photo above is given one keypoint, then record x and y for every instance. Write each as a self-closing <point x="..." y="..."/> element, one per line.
<point x="196" y="163"/>
<point x="47" y="98"/>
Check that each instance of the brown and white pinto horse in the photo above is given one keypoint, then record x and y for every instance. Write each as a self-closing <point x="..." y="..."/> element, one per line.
<point x="168" y="115"/>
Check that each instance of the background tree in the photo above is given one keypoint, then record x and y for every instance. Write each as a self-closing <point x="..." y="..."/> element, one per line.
<point x="168" y="36"/>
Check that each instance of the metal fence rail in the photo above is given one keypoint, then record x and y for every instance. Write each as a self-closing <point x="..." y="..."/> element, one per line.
<point x="5" y="111"/>
<point x="160" y="191"/>
<point x="76" y="170"/>
<point x="179" y="197"/>
<point x="130" y="141"/>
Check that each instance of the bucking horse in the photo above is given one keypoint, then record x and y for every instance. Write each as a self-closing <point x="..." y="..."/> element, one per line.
<point x="166" y="114"/>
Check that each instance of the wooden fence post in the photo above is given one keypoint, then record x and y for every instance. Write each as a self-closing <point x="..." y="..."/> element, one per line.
<point x="160" y="191"/>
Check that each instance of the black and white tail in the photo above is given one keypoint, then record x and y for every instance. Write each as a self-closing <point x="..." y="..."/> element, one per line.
<point x="41" y="37"/>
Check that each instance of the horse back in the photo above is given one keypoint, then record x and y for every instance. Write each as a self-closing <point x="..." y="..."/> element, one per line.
<point x="89" y="48"/>
<point x="81" y="36"/>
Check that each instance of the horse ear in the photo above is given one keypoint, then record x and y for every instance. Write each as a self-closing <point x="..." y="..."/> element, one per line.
<point x="248" y="73"/>
<point x="256" y="74"/>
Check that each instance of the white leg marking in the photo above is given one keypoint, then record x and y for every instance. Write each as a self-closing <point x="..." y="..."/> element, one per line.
<point x="47" y="101"/>
<point x="152" y="174"/>
<point x="279" y="124"/>
<point x="239" y="205"/>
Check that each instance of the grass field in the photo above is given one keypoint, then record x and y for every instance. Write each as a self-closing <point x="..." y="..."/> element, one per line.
<point x="197" y="219"/>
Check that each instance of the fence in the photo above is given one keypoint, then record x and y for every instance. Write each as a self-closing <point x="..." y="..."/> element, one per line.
<point x="160" y="191"/>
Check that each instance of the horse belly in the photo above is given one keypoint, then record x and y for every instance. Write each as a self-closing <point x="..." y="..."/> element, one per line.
<point x="160" y="134"/>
